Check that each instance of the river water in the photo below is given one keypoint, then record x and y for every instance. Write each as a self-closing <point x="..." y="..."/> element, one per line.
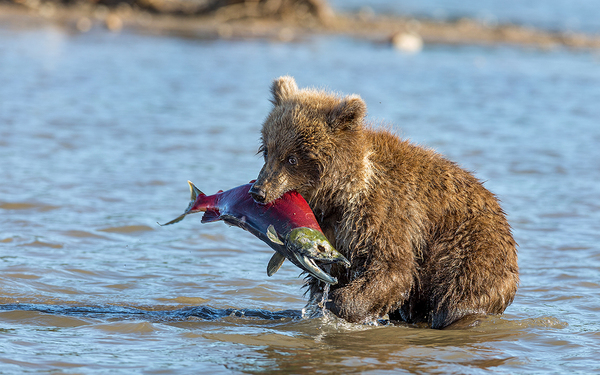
<point x="99" y="133"/>
<point x="554" y="15"/>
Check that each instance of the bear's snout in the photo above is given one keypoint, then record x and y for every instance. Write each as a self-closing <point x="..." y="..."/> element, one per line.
<point x="258" y="194"/>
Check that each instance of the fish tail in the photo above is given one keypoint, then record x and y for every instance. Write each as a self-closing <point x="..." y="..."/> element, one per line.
<point x="195" y="191"/>
<point x="192" y="207"/>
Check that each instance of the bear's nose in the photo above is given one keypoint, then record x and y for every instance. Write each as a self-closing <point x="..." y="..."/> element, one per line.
<point x="258" y="194"/>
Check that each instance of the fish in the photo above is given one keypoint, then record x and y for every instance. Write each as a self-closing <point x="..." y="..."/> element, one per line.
<point x="287" y="225"/>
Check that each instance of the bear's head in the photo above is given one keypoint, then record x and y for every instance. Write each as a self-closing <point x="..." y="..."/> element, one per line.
<point x="307" y="135"/>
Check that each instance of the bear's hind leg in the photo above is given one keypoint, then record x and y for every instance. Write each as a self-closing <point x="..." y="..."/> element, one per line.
<point x="475" y="273"/>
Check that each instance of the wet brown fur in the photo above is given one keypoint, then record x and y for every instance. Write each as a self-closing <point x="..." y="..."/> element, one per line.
<point x="427" y="242"/>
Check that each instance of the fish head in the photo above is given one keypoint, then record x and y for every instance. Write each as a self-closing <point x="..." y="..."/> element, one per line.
<point x="310" y="247"/>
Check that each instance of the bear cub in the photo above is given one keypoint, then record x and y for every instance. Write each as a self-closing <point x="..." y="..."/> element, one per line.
<point x="427" y="241"/>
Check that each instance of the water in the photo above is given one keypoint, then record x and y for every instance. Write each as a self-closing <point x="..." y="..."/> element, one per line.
<point x="100" y="132"/>
<point x="553" y="15"/>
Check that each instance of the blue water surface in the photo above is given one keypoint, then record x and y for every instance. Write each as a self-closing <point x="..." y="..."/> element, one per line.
<point x="99" y="133"/>
<point x="552" y="15"/>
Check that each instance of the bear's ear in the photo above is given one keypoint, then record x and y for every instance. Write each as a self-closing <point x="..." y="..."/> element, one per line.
<point x="348" y="114"/>
<point x="283" y="88"/>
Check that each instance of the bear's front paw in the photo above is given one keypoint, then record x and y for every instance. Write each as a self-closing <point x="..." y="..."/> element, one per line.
<point x="350" y="308"/>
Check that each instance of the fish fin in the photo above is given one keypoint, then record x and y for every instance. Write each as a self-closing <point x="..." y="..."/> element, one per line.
<point x="274" y="264"/>
<point x="210" y="216"/>
<point x="195" y="191"/>
<point x="176" y="220"/>
<point x="272" y="235"/>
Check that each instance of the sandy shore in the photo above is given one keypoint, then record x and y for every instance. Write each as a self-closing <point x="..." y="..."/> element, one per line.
<point x="405" y="33"/>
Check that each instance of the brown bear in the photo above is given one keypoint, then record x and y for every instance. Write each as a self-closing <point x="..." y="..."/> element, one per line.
<point x="427" y="242"/>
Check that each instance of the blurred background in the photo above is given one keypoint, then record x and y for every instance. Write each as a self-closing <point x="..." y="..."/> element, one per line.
<point x="553" y="15"/>
<point x="108" y="108"/>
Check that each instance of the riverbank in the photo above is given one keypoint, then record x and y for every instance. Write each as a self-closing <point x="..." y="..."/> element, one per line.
<point x="247" y="21"/>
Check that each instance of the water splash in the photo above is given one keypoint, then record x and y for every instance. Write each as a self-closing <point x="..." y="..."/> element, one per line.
<point x="316" y="308"/>
<point x="324" y="298"/>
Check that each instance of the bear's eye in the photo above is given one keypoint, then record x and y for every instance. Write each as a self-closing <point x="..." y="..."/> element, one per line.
<point x="292" y="160"/>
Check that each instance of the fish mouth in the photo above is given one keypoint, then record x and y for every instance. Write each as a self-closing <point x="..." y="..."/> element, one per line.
<point x="309" y="265"/>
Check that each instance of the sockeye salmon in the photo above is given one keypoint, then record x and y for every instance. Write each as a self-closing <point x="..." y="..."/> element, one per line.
<point x="287" y="225"/>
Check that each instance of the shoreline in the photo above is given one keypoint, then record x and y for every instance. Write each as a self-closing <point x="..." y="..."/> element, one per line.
<point x="221" y="25"/>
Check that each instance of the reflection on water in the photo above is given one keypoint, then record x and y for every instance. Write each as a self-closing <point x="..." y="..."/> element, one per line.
<point x="151" y="312"/>
<point x="283" y="341"/>
<point x="291" y="345"/>
<point x="99" y="133"/>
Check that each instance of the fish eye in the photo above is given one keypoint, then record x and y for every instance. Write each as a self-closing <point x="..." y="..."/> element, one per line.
<point x="292" y="160"/>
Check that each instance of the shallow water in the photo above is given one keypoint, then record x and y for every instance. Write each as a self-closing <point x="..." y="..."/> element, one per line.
<point x="100" y="132"/>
